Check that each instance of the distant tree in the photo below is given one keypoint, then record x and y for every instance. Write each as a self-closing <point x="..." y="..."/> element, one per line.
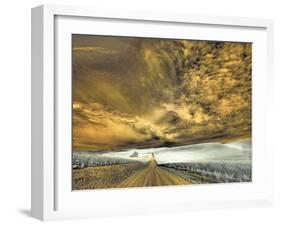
<point x="135" y="154"/>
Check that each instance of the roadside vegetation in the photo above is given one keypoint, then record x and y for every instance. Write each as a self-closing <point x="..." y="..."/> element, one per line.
<point x="200" y="173"/>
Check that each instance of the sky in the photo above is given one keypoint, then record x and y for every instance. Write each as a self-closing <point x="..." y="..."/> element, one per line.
<point x="232" y="152"/>
<point x="148" y="93"/>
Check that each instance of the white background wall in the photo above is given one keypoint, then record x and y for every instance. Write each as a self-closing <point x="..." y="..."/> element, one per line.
<point x="15" y="112"/>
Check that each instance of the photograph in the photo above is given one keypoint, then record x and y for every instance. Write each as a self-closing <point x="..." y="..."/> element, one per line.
<point x="160" y="112"/>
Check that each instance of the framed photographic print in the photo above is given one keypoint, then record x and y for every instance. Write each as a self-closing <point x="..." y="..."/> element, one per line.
<point x="137" y="112"/>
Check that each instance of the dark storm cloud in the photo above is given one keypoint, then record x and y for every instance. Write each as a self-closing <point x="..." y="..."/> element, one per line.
<point x="138" y="93"/>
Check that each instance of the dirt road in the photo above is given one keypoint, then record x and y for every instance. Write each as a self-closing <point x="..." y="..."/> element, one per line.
<point x="153" y="175"/>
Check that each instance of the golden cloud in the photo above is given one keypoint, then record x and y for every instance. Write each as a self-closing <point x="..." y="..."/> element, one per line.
<point x="138" y="92"/>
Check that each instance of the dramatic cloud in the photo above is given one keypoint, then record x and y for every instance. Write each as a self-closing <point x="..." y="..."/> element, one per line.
<point x="139" y="92"/>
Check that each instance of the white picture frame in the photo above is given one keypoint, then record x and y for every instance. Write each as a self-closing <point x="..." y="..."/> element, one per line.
<point x="52" y="197"/>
